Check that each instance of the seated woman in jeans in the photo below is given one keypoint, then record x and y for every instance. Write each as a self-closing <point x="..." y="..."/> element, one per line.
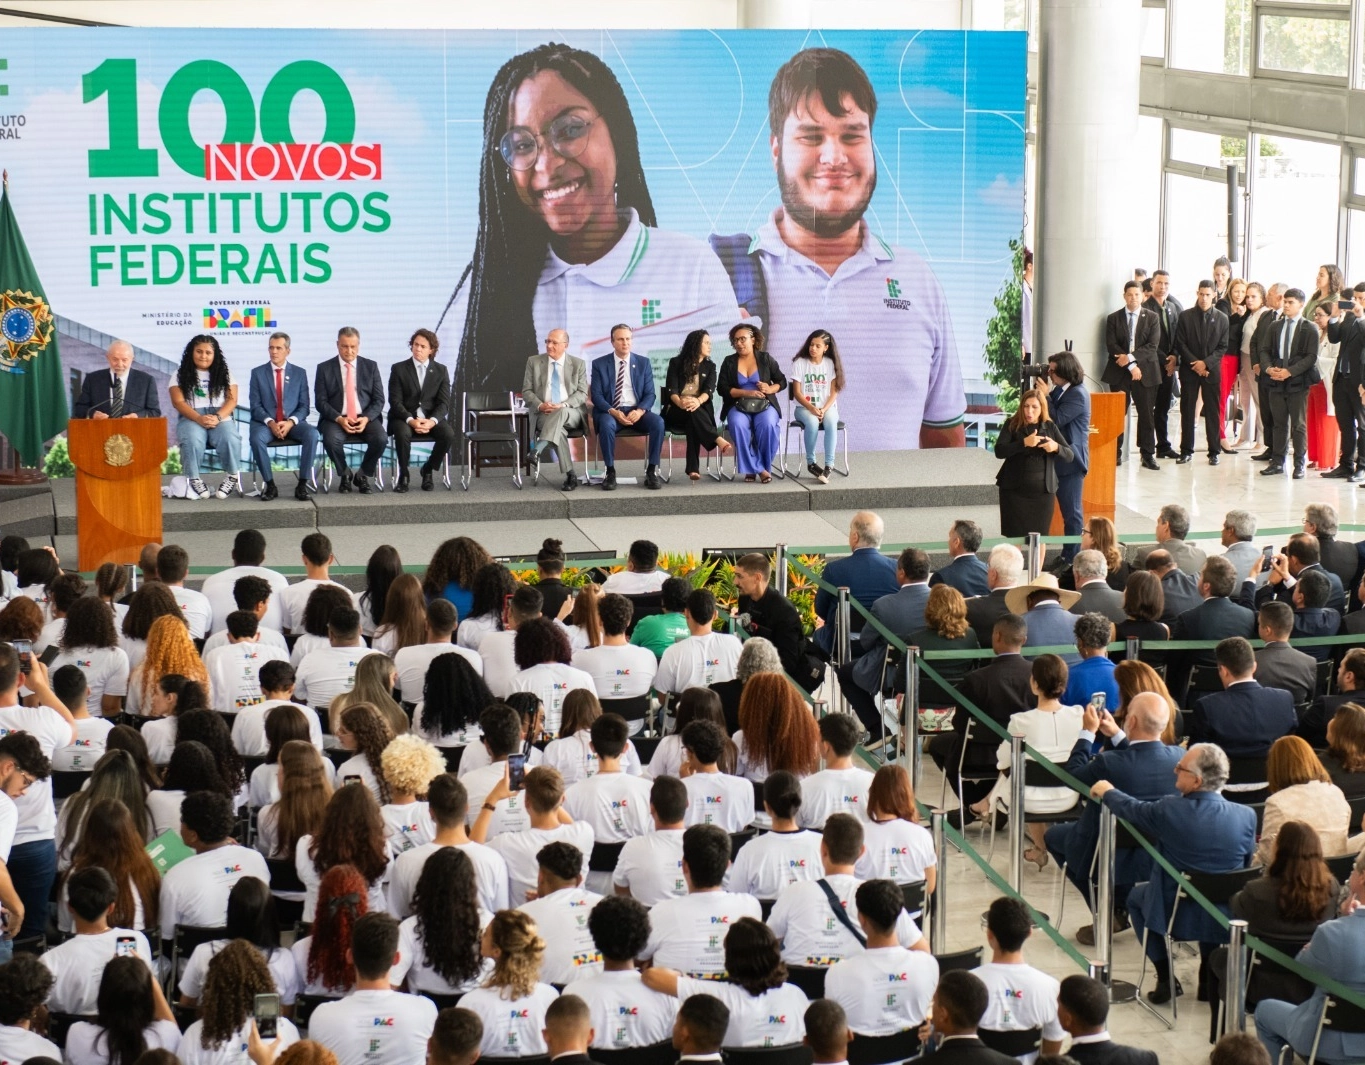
<point x="204" y="396"/>
<point x="817" y="379"/>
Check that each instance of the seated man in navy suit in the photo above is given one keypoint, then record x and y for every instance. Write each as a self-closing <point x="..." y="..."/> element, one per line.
<point x="623" y="398"/>
<point x="350" y="398"/>
<point x="1197" y="830"/>
<point x="965" y="571"/>
<point x="279" y="411"/>
<point x="118" y="392"/>
<point x="1244" y="718"/>
<point x="1303" y="554"/>
<point x="1312" y="615"/>
<point x="866" y="573"/>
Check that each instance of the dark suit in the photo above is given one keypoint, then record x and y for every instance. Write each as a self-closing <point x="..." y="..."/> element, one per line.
<point x="603" y="392"/>
<point x="1143" y="770"/>
<point x="1167" y="315"/>
<point x="773" y="617"/>
<point x="966" y="573"/>
<point x="1244" y="719"/>
<point x="1108" y="1052"/>
<point x="966" y="1051"/>
<point x="295" y="408"/>
<point x="1070" y="412"/>
<point x="139" y="394"/>
<point x="433" y="397"/>
<point x="1260" y="356"/>
<point x="330" y="394"/>
<point x="1213" y="619"/>
<point x="1280" y="666"/>
<point x="868" y="575"/>
<point x="1181" y="592"/>
<point x="861" y="679"/>
<point x="1336" y="595"/>
<point x="1289" y="398"/>
<point x="1201" y="336"/>
<point x="1098" y="598"/>
<point x="1143" y="347"/>
<point x="983" y="611"/>
<point x="1316" y="621"/>
<point x="1349" y="332"/>
<point x="1339" y="557"/>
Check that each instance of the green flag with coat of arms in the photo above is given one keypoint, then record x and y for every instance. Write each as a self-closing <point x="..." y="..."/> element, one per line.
<point x="33" y="400"/>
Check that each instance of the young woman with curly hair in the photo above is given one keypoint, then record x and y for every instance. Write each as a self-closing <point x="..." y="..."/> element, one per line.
<point x="321" y="601"/>
<point x="897" y="846"/>
<point x="22" y="619"/>
<point x="169" y="650"/>
<point x="112" y="840"/>
<point x="572" y="753"/>
<point x="453" y="697"/>
<point x="361" y="728"/>
<point x="492" y="585"/>
<point x="438" y="947"/>
<point x="250" y="917"/>
<point x="204" y="394"/>
<point x="90" y="641"/>
<point x="283" y="724"/>
<point x="305" y="788"/>
<point x="543" y="655"/>
<point x="404" y="622"/>
<point x="374" y="681"/>
<point x="209" y="728"/>
<point x="173" y="695"/>
<point x="384" y="567"/>
<point x="321" y="956"/>
<point x="512" y="1001"/>
<point x="132" y="1016"/>
<point x="149" y="603"/>
<point x="776" y="729"/>
<point x="115" y="777"/>
<point x="450" y="574"/>
<point x="235" y="976"/>
<point x="765" y="1010"/>
<point x="410" y="765"/>
<point x="192" y="768"/>
<point x="352" y="833"/>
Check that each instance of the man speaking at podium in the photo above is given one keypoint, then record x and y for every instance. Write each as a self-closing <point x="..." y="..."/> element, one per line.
<point x="118" y="392"/>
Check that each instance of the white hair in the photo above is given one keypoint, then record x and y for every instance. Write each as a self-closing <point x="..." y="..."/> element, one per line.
<point x="1007" y="563"/>
<point x="867" y="528"/>
<point x="1089" y="565"/>
<point x="1211" y="766"/>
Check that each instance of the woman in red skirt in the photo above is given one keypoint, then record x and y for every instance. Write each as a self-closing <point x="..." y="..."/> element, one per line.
<point x="1324" y="438"/>
<point x="1235" y="307"/>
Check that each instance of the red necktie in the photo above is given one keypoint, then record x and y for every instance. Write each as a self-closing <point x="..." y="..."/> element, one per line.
<point x="279" y="395"/>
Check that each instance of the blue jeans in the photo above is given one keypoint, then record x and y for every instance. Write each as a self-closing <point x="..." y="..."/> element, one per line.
<point x="33" y="868"/>
<point x="810" y="426"/>
<point x="194" y="440"/>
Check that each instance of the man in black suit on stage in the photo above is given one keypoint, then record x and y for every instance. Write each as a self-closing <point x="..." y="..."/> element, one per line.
<point x="1290" y="360"/>
<point x="1131" y="335"/>
<point x="960" y="1001"/>
<point x="1201" y="340"/>
<point x="1083" y="1009"/>
<point x="419" y="408"/>
<point x="118" y="392"/>
<point x="350" y="402"/>
<point x="1167" y="310"/>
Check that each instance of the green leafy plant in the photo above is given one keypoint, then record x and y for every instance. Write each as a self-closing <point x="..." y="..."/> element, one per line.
<point x="172" y="464"/>
<point x="1003" y="353"/>
<point x="58" y="461"/>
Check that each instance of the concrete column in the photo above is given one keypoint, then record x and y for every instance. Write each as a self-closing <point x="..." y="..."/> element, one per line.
<point x="1088" y="68"/>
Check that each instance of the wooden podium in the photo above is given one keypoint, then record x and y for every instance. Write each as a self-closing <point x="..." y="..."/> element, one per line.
<point x="1097" y="490"/>
<point x="118" y="486"/>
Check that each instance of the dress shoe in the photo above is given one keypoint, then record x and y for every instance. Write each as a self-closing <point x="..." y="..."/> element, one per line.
<point x="570" y="482"/>
<point x="1342" y="473"/>
<point x="301" y="492"/>
<point x="1213" y="460"/>
<point x="1184" y="459"/>
<point x="269" y="492"/>
<point x="1161" y="994"/>
<point x="1121" y="921"/>
<point x="652" y="478"/>
<point x="1263" y="456"/>
<point x="1300" y="471"/>
<point x="402" y="485"/>
<point x="1085" y="935"/>
<point x="1273" y="470"/>
<point x="1227" y="450"/>
<point x="362" y="484"/>
<point x="1356" y="478"/>
<point x="1167" y="452"/>
<point x="345" y="481"/>
<point x="533" y="464"/>
<point x="609" y="481"/>
<point x="1149" y="463"/>
<point x="427" y="482"/>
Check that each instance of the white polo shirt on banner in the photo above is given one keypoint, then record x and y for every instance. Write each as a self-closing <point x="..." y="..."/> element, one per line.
<point x="326" y="673"/>
<point x="895" y="334"/>
<point x="235" y="674"/>
<point x="768" y="864"/>
<point x="490" y="877"/>
<point x="833" y="791"/>
<point x="375" y="1028"/>
<point x="625" y="1013"/>
<point x="719" y="799"/>
<point x="688" y="933"/>
<point x="294" y="598"/>
<point x="812" y="934"/>
<point x="106" y="670"/>
<point x="411" y="664"/>
<point x="1021" y="997"/>
<point x="552" y="682"/>
<point x="650" y="866"/>
<point x="884" y="990"/>
<point x="562" y="919"/>
<point x="218" y="588"/>
<point x="519" y="850"/>
<point x="619" y="672"/>
<point x="698" y="662"/>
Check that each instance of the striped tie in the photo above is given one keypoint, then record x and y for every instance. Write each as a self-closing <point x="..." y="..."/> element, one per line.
<point x="620" y="383"/>
<point x="116" y="400"/>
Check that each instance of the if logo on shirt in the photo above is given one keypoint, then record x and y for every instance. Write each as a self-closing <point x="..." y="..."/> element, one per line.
<point x="894" y="300"/>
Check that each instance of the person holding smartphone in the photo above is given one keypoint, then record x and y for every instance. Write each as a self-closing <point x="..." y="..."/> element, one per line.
<point x="77" y="963"/>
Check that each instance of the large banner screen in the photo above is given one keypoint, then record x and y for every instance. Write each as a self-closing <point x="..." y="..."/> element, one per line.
<point x="493" y="186"/>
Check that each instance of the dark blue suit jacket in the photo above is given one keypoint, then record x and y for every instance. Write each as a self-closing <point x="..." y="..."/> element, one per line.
<point x="295" y="393"/>
<point x="1244" y="719"/>
<point x="966" y="573"/>
<point x="1071" y="412"/>
<point x="1200" y="831"/>
<point x="331" y="390"/>
<point x="603" y="387"/>
<point x="139" y="395"/>
<point x="868" y="575"/>
<point x="1145" y="771"/>
<point x="1336" y="598"/>
<point x="1316" y="621"/>
<point x="1213" y="619"/>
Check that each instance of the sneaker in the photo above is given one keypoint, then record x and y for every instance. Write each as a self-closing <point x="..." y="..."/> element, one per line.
<point x="198" y="489"/>
<point x="824" y="475"/>
<point x="815" y="470"/>
<point x="229" y="485"/>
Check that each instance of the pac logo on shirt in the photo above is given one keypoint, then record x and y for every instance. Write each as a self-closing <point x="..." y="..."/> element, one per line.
<point x="84" y="743"/>
<point x="852" y="800"/>
<point x="574" y="903"/>
<point x="713" y="800"/>
<point x="897" y="978"/>
<point x="628" y="1011"/>
<point x="712" y="662"/>
<point x="721" y="919"/>
<point x="899" y="852"/>
<point x="229" y="869"/>
<point x="777" y="1018"/>
<point x="618" y="804"/>
<point x="383" y="1022"/>
<point x="1010" y="992"/>
<point x="623" y="672"/>
<point x="796" y="863"/>
<point x="519" y="1015"/>
<point x="559" y="686"/>
<point x="85" y="663"/>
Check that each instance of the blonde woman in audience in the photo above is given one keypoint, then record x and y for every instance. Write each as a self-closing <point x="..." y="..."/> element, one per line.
<point x="169" y="650"/>
<point x="1301" y="790"/>
<point x="149" y="603"/>
<point x="343" y="898"/>
<point x="1134" y="678"/>
<point x="363" y="730"/>
<point x="236" y="975"/>
<point x="572" y="754"/>
<point x="404" y="622"/>
<point x="374" y="681"/>
<point x="409" y="765"/>
<point x="512" y="1001"/>
<point x="112" y="841"/>
<point x="305" y="788"/>
<point x="351" y="833"/>
<point x="776" y="730"/>
<point x="945" y="629"/>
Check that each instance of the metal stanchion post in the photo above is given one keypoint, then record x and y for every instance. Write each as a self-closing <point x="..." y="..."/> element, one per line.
<point x="1133" y="649"/>
<point x="1034" y="561"/>
<point x="938" y="934"/>
<point x="844" y="633"/>
<point x="1119" y="990"/>
<point x="1235" y="980"/>
<point x="1099" y="971"/>
<point x="910" y="717"/>
<point x="134" y="576"/>
<point x="1016" y="825"/>
<point x="780" y="574"/>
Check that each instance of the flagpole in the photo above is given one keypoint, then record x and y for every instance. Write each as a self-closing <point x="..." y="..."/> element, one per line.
<point x="11" y="472"/>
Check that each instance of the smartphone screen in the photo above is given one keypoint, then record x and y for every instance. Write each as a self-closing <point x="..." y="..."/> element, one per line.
<point x="516" y="771"/>
<point x="1346" y="305"/>
<point x="1097" y="701"/>
<point x="351" y="778"/>
<point x="24" y="648"/>
<point x="125" y="947"/>
<point x="266" y="1010"/>
<point x="1268" y="554"/>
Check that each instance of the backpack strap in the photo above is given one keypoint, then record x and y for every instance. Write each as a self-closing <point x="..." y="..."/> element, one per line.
<point x="840" y="912"/>
<point x="746" y="275"/>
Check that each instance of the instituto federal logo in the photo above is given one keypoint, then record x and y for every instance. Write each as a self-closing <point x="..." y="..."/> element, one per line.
<point x="25" y="328"/>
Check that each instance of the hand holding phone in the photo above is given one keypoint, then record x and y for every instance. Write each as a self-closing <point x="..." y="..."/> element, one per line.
<point x="516" y="771"/>
<point x="266" y="1011"/>
<point x="125" y="947"/>
<point x="24" y="649"/>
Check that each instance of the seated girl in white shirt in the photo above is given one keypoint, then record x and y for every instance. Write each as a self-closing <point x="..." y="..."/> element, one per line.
<point x="512" y="1001"/>
<point x="132" y="1018"/>
<point x="438" y="946"/>
<point x="572" y="753"/>
<point x="410" y="764"/>
<point x="236" y="975"/>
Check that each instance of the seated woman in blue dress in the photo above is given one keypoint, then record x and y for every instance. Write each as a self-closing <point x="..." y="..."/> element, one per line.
<point x="749" y="384"/>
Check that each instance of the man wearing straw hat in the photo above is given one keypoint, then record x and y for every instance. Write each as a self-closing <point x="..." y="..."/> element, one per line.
<point x="1045" y="607"/>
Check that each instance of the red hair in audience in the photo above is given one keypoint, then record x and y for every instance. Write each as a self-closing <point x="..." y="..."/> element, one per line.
<point x="343" y="898"/>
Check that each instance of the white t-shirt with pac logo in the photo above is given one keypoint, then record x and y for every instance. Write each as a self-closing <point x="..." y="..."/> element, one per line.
<point x="497" y="653"/>
<point x="688" y="933"/>
<point x="619" y="672"/>
<point x="615" y="804"/>
<point x="833" y="791"/>
<point x="884" y="990"/>
<point x="490" y="877"/>
<point x="562" y="920"/>
<point x="195" y="892"/>
<point x="698" y="662"/>
<point x="218" y="588"/>
<point x="552" y="682"/>
<point x="106" y="670"/>
<point x="375" y="1028"/>
<point x="576" y="760"/>
<point x="248" y="728"/>
<point x="896" y="850"/>
<point x="719" y="799"/>
<point x="767" y="864"/>
<point x="651" y="867"/>
<point x="773" y="1019"/>
<point x="88" y="748"/>
<point x="294" y="599"/>
<point x="233" y="1051"/>
<point x="197" y="609"/>
<point x="511" y="1026"/>
<point x="407" y="827"/>
<point x="265" y="636"/>
<point x="17" y="1045"/>
<point x="37" y="815"/>
<point x="235" y="674"/>
<point x="510" y="814"/>
<point x="519" y="850"/>
<point x="413" y="966"/>
<point x="412" y="663"/>
<point x="326" y="673"/>
<point x="625" y="1013"/>
<point x="810" y="931"/>
<point x="1021" y="997"/>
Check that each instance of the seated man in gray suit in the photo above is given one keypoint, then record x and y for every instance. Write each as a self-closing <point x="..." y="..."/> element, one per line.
<point x="1277" y="664"/>
<point x="1239" y="529"/>
<point x="1089" y="568"/>
<point x="1045" y="609"/>
<point x="555" y="388"/>
<point x="1172" y="526"/>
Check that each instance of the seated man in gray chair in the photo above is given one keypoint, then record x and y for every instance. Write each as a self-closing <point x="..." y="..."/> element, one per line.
<point x="555" y="388"/>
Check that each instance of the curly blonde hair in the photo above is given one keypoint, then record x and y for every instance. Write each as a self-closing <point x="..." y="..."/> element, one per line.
<point x="946" y="612"/>
<point x="236" y="975"/>
<point x="169" y="650"/>
<point x="516" y="970"/>
<point x="411" y="764"/>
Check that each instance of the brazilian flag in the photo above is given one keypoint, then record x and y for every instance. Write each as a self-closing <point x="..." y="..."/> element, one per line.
<point x="33" y="401"/>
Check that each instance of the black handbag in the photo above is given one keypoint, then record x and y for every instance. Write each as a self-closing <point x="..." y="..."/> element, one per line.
<point x="752" y="404"/>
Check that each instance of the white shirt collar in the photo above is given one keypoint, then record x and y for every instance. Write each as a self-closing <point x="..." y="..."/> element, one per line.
<point x="613" y="268"/>
<point x="769" y="239"/>
<point x="1097" y="1037"/>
